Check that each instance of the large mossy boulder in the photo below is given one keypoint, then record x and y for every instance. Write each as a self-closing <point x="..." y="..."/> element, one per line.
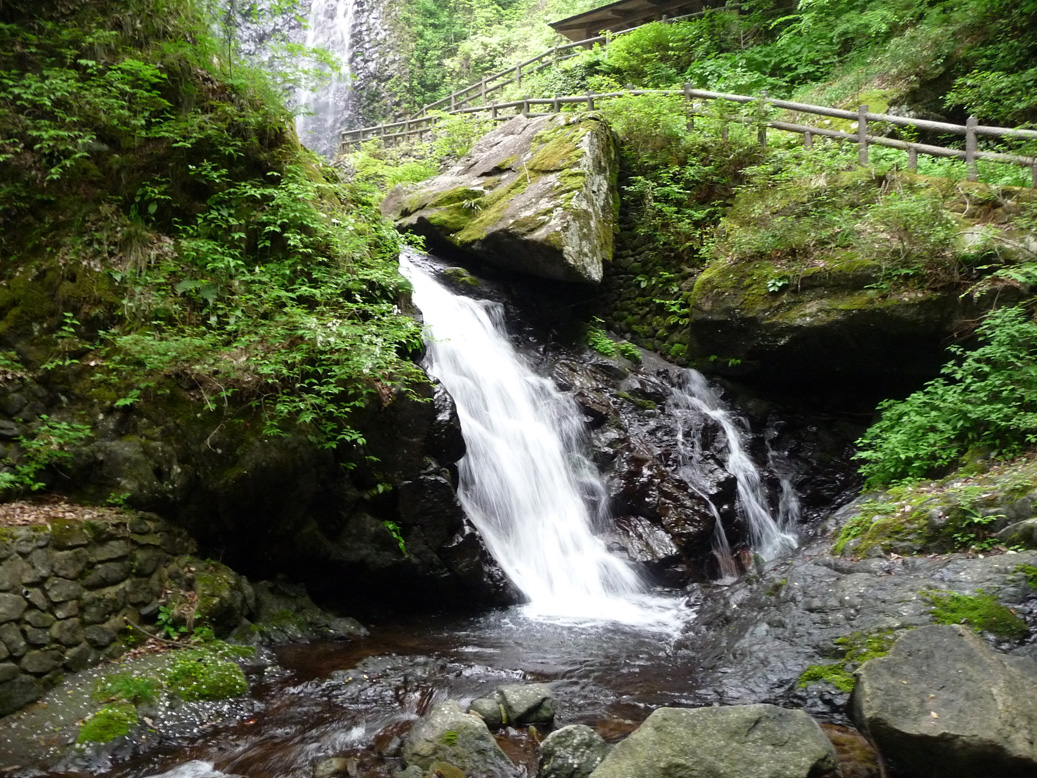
<point x="943" y="703"/>
<point x="536" y="196"/>
<point x="458" y="739"/>
<point x="851" y="275"/>
<point x="741" y="741"/>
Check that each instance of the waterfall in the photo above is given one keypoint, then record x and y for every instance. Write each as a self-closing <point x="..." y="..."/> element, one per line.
<point x="329" y="26"/>
<point x="693" y="398"/>
<point x="524" y="482"/>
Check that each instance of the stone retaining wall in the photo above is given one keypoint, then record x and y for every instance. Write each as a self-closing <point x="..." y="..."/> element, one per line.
<point x="66" y="591"/>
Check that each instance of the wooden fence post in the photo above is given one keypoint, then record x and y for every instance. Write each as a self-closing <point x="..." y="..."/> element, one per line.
<point x="690" y="107"/>
<point x="862" y="135"/>
<point x="518" y="74"/>
<point x="525" y="106"/>
<point x="761" y="117"/>
<point x="556" y="106"/>
<point x="808" y="140"/>
<point x="1035" y="174"/>
<point x="971" y="167"/>
<point x="590" y="101"/>
<point x="482" y="90"/>
<point x="493" y="110"/>
<point x="912" y="159"/>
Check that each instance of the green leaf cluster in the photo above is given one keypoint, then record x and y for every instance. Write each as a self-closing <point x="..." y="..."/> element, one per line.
<point x="986" y="398"/>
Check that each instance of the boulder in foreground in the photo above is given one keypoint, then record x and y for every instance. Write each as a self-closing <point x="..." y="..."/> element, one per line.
<point x="943" y="703"/>
<point x="740" y="741"/>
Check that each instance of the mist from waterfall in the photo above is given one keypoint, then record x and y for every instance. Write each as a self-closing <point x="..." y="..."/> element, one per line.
<point x="525" y="482"/>
<point x="329" y="26"/>
<point x="691" y="400"/>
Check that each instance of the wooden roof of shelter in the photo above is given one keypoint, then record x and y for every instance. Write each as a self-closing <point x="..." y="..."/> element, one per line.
<point x="624" y="14"/>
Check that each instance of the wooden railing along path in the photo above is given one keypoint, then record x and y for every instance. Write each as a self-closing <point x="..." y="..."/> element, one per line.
<point x="394" y="132"/>
<point x="514" y="74"/>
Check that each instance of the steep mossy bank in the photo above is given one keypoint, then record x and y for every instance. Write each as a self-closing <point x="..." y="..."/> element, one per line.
<point x="198" y="318"/>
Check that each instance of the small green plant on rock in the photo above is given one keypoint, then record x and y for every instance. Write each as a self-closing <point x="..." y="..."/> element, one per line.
<point x="134" y="689"/>
<point x="199" y="674"/>
<point x="856" y="649"/>
<point x="1029" y="573"/>
<point x="110" y="722"/>
<point x="981" y="611"/>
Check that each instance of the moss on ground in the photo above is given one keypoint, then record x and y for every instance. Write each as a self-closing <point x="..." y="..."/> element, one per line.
<point x="957" y="513"/>
<point x="110" y="722"/>
<point x="854" y="650"/>
<point x="204" y="675"/>
<point x="981" y="611"/>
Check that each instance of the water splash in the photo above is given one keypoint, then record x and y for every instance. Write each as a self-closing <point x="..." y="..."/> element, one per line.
<point x="525" y="482"/>
<point x="329" y="26"/>
<point x="691" y="399"/>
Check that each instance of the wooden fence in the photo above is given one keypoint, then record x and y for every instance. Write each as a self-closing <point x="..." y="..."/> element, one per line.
<point x="514" y="74"/>
<point x="394" y="132"/>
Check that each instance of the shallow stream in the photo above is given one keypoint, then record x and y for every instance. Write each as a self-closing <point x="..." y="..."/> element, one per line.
<point x="355" y="700"/>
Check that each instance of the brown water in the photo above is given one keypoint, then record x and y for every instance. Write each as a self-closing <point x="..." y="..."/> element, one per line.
<point x="357" y="700"/>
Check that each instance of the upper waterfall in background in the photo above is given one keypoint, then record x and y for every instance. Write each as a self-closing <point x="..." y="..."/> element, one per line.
<point x="330" y="25"/>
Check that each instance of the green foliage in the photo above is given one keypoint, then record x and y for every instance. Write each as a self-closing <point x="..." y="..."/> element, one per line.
<point x="855" y="649"/>
<point x="980" y="611"/>
<point x="599" y="340"/>
<point x="125" y="687"/>
<point x="53" y="443"/>
<point x="199" y="674"/>
<point x="986" y="397"/>
<point x="1029" y="573"/>
<point x="147" y="163"/>
<point x="110" y="722"/>
<point x="394" y="529"/>
<point x="834" y="674"/>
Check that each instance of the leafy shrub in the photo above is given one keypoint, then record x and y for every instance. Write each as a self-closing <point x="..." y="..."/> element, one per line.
<point x="986" y="398"/>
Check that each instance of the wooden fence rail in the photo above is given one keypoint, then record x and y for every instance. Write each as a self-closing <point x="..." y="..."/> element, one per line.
<point x="515" y="73"/>
<point x="395" y="132"/>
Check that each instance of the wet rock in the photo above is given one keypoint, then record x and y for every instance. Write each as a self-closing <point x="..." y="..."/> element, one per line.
<point x="196" y="769"/>
<point x="327" y="768"/>
<point x="461" y="740"/>
<point x="490" y="710"/>
<point x="284" y="613"/>
<point x="751" y="741"/>
<point x="942" y="702"/>
<point x="528" y="703"/>
<point x="571" y="752"/>
<point x="12" y="606"/>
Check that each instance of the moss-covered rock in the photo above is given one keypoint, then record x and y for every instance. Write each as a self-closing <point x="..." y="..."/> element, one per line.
<point x="853" y="274"/>
<point x="535" y="195"/>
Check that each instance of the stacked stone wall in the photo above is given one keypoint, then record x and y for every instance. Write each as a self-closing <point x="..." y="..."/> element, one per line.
<point x="67" y="590"/>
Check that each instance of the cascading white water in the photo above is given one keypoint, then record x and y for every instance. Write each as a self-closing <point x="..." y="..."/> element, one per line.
<point x="330" y="27"/>
<point x="692" y="398"/>
<point x="524" y="482"/>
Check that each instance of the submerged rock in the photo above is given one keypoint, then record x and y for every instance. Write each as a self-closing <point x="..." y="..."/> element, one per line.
<point x="750" y="741"/>
<point x="571" y="752"/>
<point x="535" y="196"/>
<point x="458" y="739"/>
<point x="943" y="703"/>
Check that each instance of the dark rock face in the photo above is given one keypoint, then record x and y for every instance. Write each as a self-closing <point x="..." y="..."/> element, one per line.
<point x="942" y="703"/>
<point x="284" y="505"/>
<point x="751" y="741"/>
